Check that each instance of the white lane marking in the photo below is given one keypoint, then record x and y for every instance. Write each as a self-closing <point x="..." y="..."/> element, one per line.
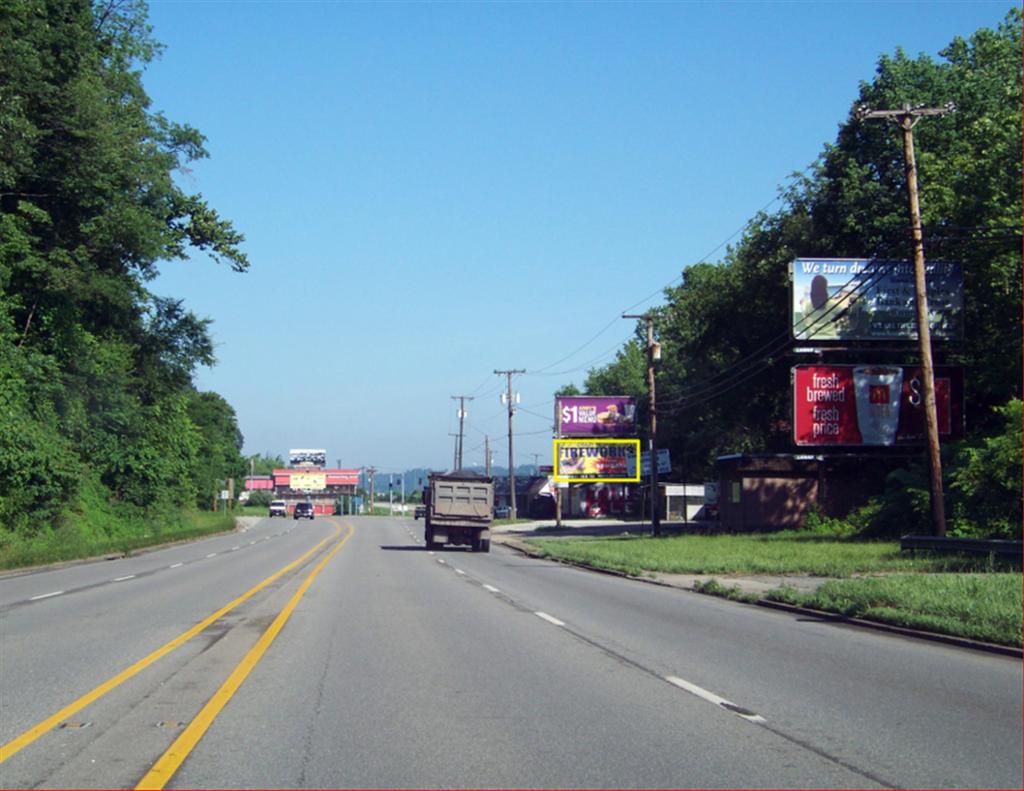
<point x="440" y="560"/>
<point x="122" y="579"/>
<point x="549" y="618"/>
<point x="176" y="565"/>
<point x="212" y="555"/>
<point x="251" y="543"/>
<point x="491" y="588"/>
<point x="46" y="595"/>
<point x="431" y="554"/>
<point x="711" y="697"/>
<point x="237" y="548"/>
<point x="460" y="571"/>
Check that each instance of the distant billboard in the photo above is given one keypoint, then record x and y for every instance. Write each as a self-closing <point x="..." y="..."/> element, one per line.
<point x="860" y="299"/>
<point x="597" y="461"/>
<point x="310" y="457"/>
<point x="308" y="481"/>
<point x="586" y="416"/>
<point x="872" y="405"/>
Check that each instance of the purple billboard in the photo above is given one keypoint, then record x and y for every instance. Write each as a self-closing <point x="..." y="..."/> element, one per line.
<point x="587" y="416"/>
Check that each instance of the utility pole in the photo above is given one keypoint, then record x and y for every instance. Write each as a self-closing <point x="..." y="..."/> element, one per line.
<point x="462" y="416"/>
<point x="907" y="117"/>
<point x="487" y="455"/>
<point x="653" y="355"/>
<point x="511" y="463"/>
<point x="371" y="472"/>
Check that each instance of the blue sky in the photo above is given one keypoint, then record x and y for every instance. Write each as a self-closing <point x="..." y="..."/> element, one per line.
<point x="432" y="191"/>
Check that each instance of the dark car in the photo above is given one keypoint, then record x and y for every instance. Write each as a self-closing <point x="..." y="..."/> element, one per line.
<point x="421" y="510"/>
<point x="502" y="512"/>
<point x="304" y="510"/>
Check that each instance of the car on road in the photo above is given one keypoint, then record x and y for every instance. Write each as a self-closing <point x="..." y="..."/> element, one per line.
<point x="421" y="510"/>
<point x="303" y="510"/>
<point x="502" y="512"/>
<point x="278" y="508"/>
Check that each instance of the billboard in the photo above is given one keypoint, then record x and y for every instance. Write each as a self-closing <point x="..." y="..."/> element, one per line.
<point x="866" y="300"/>
<point x="597" y="461"/>
<point x="587" y="416"/>
<point x="308" y="481"/>
<point x="872" y="405"/>
<point x="314" y="457"/>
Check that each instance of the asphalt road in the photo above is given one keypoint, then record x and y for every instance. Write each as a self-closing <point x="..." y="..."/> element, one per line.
<point x="398" y="667"/>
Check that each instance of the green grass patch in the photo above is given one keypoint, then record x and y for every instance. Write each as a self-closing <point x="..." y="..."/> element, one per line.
<point x="77" y="537"/>
<point x="789" y="552"/>
<point x="983" y="607"/>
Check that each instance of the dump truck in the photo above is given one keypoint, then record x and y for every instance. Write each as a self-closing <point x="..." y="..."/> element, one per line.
<point x="459" y="509"/>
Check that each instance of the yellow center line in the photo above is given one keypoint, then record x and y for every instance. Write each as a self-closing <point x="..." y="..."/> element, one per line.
<point x="165" y="767"/>
<point x="20" y="742"/>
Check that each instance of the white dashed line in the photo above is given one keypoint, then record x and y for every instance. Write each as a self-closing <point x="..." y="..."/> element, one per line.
<point x="491" y="588"/>
<point x="431" y="554"/>
<point x="711" y="697"/>
<point x="176" y="565"/>
<point x="234" y="549"/>
<point x="549" y="618"/>
<point x="440" y="560"/>
<point x="46" y="595"/>
<point x="460" y="571"/>
<point x="212" y="555"/>
<point x="251" y="543"/>
<point x="122" y="579"/>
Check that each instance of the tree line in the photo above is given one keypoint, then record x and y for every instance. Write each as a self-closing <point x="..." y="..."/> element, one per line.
<point x="723" y="384"/>
<point x="98" y="407"/>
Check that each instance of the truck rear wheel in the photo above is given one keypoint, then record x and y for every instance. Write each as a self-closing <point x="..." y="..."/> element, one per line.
<point x="429" y="538"/>
<point x="485" y="545"/>
<point x="475" y="542"/>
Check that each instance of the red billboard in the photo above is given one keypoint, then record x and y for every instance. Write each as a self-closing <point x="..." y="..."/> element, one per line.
<point x="872" y="405"/>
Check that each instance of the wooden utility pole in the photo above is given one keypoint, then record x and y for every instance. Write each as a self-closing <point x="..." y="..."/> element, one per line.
<point x="653" y="355"/>
<point x="487" y="455"/>
<point x="462" y="416"/>
<point x="907" y="117"/>
<point x="511" y="462"/>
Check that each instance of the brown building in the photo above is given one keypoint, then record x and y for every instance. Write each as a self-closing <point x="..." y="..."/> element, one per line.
<point x="775" y="491"/>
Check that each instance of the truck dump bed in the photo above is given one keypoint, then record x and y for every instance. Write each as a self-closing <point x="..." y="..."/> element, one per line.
<point x="467" y="500"/>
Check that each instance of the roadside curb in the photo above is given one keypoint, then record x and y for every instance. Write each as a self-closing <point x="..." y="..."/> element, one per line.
<point x="821" y="615"/>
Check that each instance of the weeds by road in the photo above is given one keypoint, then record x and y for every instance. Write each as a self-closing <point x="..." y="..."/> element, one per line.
<point x="790" y="552"/>
<point x="964" y="596"/>
<point x="69" y="543"/>
<point x="979" y="606"/>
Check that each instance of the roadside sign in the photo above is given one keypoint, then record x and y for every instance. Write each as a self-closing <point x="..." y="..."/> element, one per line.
<point x="224" y="494"/>
<point x="664" y="462"/>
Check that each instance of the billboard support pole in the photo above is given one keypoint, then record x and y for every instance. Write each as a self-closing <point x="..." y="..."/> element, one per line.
<point x="907" y="117"/>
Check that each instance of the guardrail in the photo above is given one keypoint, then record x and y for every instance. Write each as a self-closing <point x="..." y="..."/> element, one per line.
<point x="983" y="546"/>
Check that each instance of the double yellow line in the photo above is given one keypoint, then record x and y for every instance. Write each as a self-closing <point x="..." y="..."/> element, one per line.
<point x="164" y="768"/>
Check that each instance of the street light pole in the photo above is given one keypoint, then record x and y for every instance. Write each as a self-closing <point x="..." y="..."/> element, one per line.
<point x="907" y="117"/>
<point x="511" y="468"/>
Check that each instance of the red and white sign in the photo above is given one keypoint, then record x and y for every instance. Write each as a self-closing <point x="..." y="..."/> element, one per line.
<point x="873" y="405"/>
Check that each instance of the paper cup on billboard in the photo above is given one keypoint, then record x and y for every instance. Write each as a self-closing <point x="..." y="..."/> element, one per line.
<point x="877" y="389"/>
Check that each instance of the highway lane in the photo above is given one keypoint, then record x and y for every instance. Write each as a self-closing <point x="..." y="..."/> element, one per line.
<point x="56" y="649"/>
<point x="398" y="670"/>
<point x="909" y="711"/>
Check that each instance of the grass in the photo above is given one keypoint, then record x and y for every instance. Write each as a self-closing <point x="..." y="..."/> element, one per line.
<point x="965" y="596"/>
<point x="789" y="552"/>
<point x="983" y="607"/>
<point x="72" y="540"/>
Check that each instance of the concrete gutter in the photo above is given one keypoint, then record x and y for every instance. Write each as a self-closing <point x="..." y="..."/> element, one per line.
<point x="759" y="585"/>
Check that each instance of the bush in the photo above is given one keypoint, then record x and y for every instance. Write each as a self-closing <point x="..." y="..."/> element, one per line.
<point x="259" y="498"/>
<point x="985" y="487"/>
